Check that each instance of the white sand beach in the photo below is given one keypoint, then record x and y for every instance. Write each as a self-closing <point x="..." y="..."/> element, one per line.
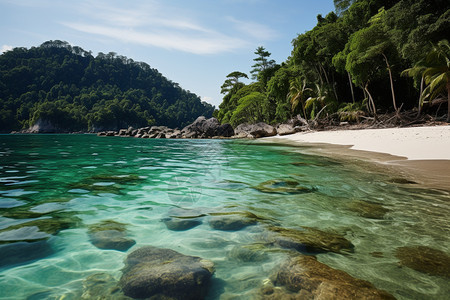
<point x="420" y="153"/>
<point x="414" y="143"/>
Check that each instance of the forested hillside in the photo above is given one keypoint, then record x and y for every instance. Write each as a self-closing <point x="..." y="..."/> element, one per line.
<point x="72" y="90"/>
<point x="368" y="57"/>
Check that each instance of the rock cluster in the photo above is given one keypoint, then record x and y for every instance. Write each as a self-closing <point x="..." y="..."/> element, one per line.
<point x="203" y="128"/>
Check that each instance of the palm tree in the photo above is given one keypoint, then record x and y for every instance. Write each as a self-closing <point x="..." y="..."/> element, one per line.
<point x="297" y="94"/>
<point x="435" y="69"/>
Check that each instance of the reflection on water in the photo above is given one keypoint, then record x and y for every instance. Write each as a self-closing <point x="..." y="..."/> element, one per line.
<point x="74" y="206"/>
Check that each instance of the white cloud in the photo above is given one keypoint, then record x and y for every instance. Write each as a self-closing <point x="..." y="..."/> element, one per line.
<point x="171" y="40"/>
<point x="5" y="48"/>
<point x="154" y="23"/>
<point x="253" y="29"/>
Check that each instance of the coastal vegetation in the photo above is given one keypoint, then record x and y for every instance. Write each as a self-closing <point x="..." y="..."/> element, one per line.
<point x="68" y="89"/>
<point x="349" y="67"/>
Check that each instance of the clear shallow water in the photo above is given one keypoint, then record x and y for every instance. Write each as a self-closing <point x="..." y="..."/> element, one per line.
<point x="83" y="179"/>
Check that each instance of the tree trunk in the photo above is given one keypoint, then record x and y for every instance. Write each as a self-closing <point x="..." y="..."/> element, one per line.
<point x="351" y="86"/>
<point x="371" y="101"/>
<point x="448" y="101"/>
<point x="420" y="98"/>
<point x="392" y="83"/>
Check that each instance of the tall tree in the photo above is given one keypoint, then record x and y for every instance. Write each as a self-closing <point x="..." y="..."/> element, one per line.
<point x="262" y="62"/>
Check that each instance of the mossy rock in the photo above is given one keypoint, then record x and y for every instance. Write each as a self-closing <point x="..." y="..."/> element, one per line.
<point x="369" y="210"/>
<point x="247" y="254"/>
<point x="107" y="225"/>
<point x="303" y="277"/>
<point x="283" y="186"/>
<point x="45" y="226"/>
<point x="158" y="273"/>
<point x="110" y="235"/>
<point x="310" y="240"/>
<point x="425" y="259"/>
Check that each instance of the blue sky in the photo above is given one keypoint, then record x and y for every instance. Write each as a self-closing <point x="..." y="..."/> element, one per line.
<point x="194" y="43"/>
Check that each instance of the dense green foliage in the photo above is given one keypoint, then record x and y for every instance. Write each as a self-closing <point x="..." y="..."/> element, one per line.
<point x="75" y="91"/>
<point x="348" y="65"/>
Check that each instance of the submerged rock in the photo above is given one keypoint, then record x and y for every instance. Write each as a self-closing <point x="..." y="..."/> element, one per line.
<point x="246" y="254"/>
<point x="178" y="224"/>
<point x="165" y="274"/>
<point x="368" y="209"/>
<point x="110" y="235"/>
<point x="102" y="286"/>
<point x="230" y="223"/>
<point x="424" y="259"/>
<point x="24" y="252"/>
<point x="310" y="240"/>
<point x="283" y="186"/>
<point x="303" y="277"/>
<point x="180" y="219"/>
<point x="232" y="220"/>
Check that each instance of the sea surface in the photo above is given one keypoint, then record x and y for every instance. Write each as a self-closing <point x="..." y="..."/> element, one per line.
<point x="54" y="187"/>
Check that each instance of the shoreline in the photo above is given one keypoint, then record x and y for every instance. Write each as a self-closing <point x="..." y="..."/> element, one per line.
<point x="420" y="154"/>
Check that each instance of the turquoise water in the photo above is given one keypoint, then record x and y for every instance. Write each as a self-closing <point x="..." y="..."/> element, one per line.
<point x="75" y="181"/>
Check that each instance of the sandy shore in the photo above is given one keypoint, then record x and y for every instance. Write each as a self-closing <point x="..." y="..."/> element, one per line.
<point x="419" y="152"/>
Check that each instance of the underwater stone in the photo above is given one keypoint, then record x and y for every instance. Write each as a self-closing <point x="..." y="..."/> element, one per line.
<point x="102" y="286"/>
<point x="310" y="240"/>
<point x="23" y="252"/>
<point x="425" y="259"/>
<point x="311" y="279"/>
<point x="158" y="273"/>
<point x="283" y="186"/>
<point x="177" y="224"/>
<point x="230" y="222"/>
<point x="111" y="235"/>
<point x="245" y="254"/>
<point x="368" y="209"/>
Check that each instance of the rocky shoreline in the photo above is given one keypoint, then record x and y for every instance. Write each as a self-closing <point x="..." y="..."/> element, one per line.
<point x="211" y="128"/>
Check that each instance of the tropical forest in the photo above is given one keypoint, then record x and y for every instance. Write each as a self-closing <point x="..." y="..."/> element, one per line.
<point x="370" y="57"/>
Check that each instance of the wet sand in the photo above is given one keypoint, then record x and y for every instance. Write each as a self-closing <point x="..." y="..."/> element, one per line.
<point x="420" y="154"/>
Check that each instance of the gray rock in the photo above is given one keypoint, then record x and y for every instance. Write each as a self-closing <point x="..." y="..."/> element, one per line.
<point x="158" y="273"/>
<point x="285" y="129"/>
<point x="257" y="130"/>
<point x="207" y="128"/>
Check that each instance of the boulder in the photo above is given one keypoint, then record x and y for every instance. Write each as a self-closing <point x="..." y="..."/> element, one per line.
<point x="303" y="277"/>
<point x="207" y="128"/>
<point x="158" y="273"/>
<point x="285" y="129"/>
<point x="110" y="235"/>
<point x="123" y="132"/>
<point x="425" y="259"/>
<point x="257" y="130"/>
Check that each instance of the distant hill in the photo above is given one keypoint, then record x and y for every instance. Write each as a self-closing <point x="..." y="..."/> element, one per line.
<point x="68" y="89"/>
